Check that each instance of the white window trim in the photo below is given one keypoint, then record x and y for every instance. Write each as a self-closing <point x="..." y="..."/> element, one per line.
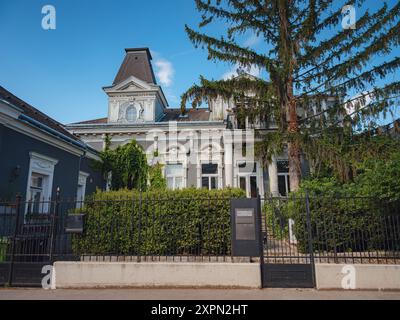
<point x="283" y="174"/>
<point x="286" y="175"/>
<point x="247" y="175"/>
<point x="43" y="165"/>
<point x="82" y="179"/>
<point x="174" y="176"/>
<point x="218" y="175"/>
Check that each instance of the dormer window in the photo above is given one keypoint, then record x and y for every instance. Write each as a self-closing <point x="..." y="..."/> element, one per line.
<point x="131" y="114"/>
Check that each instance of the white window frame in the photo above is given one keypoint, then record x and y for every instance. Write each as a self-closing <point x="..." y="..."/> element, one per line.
<point x="285" y="175"/>
<point x="209" y="176"/>
<point x="82" y="179"/>
<point x="42" y="165"/>
<point x="247" y="176"/>
<point x="174" y="176"/>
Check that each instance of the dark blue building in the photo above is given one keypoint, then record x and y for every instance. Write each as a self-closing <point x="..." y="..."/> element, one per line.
<point x="38" y="156"/>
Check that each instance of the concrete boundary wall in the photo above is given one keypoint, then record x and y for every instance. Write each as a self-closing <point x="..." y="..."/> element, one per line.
<point x="214" y="275"/>
<point x="357" y="276"/>
<point x="159" y="274"/>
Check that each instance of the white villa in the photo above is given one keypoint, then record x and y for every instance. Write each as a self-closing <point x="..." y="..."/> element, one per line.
<point x="205" y="148"/>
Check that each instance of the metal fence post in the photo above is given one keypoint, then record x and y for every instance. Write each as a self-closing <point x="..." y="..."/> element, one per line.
<point x="309" y="233"/>
<point x="53" y="225"/>
<point x="13" y="243"/>
<point x="260" y="237"/>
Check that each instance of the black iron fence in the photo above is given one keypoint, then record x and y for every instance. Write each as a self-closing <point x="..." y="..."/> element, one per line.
<point x="331" y="229"/>
<point x="296" y="230"/>
<point x="34" y="233"/>
<point x="156" y="229"/>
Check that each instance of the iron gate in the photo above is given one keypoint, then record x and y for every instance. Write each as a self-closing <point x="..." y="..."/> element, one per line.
<point x="287" y="260"/>
<point x="29" y="240"/>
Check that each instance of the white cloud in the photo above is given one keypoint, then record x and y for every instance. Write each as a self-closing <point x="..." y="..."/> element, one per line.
<point x="164" y="69"/>
<point x="252" y="40"/>
<point x="253" y="70"/>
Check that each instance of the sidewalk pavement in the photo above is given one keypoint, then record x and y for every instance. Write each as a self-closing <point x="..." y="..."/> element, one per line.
<point x="193" y="294"/>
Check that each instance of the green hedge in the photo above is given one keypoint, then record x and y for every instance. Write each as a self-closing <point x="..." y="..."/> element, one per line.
<point x="188" y="221"/>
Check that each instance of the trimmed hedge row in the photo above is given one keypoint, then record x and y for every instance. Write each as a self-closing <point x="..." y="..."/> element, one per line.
<point x="188" y="221"/>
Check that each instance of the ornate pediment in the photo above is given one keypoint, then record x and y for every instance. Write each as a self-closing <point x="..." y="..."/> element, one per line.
<point x="131" y="84"/>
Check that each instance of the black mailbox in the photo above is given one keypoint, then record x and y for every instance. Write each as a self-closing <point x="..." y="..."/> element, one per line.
<point x="245" y="225"/>
<point x="74" y="223"/>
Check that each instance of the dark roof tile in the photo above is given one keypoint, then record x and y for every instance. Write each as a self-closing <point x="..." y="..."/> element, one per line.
<point x="34" y="113"/>
<point x="100" y="120"/>
<point x="191" y="115"/>
<point x="137" y="63"/>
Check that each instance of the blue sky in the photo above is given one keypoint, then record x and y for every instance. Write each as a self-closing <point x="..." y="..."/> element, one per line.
<point x="62" y="71"/>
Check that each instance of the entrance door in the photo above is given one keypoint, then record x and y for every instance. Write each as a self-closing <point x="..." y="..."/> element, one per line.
<point x="248" y="179"/>
<point x="249" y="184"/>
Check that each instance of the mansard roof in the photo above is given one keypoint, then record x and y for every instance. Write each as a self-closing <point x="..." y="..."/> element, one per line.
<point x="94" y="121"/>
<point x="200" y="114"/>
<point x="169" y="115"/>
<point x="137" y="63"/>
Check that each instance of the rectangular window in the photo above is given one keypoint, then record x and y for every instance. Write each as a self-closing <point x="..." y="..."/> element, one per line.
<point x="253" y="186"/>
<point x="39" y="184"/>
<point x="248" y="178"/>
<point x="283" y="166"/>
<point x="209" y="176"/>
<point x="242" y="183"/>
<point x="174" y="174"/>
<point x="283" y="177"/>
<point x="81" y="190"/>
<point x="36" y="192"/>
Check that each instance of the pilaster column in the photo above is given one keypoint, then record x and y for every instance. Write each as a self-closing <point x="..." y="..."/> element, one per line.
<point x="273" y="177"/>
<point x="228" y="160"/>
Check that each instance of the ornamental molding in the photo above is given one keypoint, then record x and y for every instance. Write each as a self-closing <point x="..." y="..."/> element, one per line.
<point x="42" y="163"/>
<point x="82" y="178"/>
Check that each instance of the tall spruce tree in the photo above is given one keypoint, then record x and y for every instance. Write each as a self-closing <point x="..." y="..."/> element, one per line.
<point x="307" y="56"/>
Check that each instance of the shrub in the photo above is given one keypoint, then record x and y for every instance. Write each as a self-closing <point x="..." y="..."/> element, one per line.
<point x="338" y="224"/>
<point x="188" y="221"/>
<point x="156" y="179"/>
<point x="356" y="216"/>
<point x="127" y="164"/>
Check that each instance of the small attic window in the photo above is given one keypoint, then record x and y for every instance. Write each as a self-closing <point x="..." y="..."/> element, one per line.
<point x="131" y="114"/>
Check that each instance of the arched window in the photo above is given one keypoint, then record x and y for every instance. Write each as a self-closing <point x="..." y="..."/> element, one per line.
<point x="131" y="114"/>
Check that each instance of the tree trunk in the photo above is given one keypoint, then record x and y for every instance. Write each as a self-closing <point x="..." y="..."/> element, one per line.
<point x="287" y="97"/>
<point x="293" y="145"/>
<point x="294" y="166"/>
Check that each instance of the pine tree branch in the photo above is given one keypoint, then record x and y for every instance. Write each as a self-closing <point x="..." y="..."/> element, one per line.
<point x="245" y="19"/>
<point x="228" y="89"/>
<point x="385" y="92"/>
<point x="357" y="82"/>
<point x="340" y="43"/>
<point x="378" y="106"/>
<point x="229" y="50"/>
